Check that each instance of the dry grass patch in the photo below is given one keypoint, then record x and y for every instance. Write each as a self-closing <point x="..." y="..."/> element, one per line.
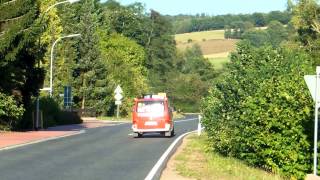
<point x="217" y="55"/>
<point x="199" y="36"/>
<point x="212" y="46"/>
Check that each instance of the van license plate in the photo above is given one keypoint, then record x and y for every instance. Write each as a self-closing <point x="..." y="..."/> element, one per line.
<point x="151" y="123"/>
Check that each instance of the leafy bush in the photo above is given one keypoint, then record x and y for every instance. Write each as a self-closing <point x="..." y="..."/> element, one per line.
<point x="261" y="111"/>
<point x="50" y="111"/>
<point x="10" y="112"/>
<point x="67" y="117"/>
<point x="53" y="115"/>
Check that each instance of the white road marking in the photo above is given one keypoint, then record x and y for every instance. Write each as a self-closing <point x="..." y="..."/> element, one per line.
<point x="120" y="123"/>
<point x="164" y="156"/>
<point x="41" y="140"/>
<point x="178" y="121"/>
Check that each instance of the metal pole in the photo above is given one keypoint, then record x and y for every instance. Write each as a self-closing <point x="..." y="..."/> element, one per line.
<point x="315" y="153"/>
<point x="41" y="19"/>
<point x="52" y="56"/>
<point x="37" y="113"/>
<point x="51" y="65"/>
<point x="118" y="108"/>
<point x="199" y="125"/>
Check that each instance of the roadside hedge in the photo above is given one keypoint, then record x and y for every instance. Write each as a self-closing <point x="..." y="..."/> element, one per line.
<point x="261" y="111"/>
<point x="54" y="116"/>
<point x="10" y="112"/>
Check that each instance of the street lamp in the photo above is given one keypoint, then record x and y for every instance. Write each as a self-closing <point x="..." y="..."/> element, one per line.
<point x="44" y="13"/>
<point x="51" y="61"/>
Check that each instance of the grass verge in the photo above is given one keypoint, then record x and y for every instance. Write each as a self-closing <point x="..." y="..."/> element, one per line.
<point x="219" y="62"/>
<point x="196" y="163"/>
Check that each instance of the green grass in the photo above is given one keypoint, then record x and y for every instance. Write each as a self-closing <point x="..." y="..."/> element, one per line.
<point x="219" y="62"/>
<point x="196" y="162"/>
<point x="200" y="36"/>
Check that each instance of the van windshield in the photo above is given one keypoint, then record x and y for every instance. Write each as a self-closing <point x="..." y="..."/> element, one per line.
<point x="150" y="108"/>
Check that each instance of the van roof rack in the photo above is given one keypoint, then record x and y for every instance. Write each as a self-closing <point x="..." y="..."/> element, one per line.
<point x="153" y="95"/>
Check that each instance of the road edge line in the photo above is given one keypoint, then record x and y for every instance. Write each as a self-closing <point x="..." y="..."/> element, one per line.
<point x="157" y="169"/>
<point x="41" y="140"/>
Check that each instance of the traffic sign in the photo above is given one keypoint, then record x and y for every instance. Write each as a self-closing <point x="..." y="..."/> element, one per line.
<point x="313" y="85"/>
<point x="118" y="97"/>
<point x="118" y="102"/>
<point x="118" y="90"/>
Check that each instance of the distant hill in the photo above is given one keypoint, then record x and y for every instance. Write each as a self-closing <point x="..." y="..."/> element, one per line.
<point x="212" y="43"/>
<point x="203" y="22"/>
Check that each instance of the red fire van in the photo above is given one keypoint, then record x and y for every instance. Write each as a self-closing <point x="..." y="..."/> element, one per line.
<point x="151" y="114"/>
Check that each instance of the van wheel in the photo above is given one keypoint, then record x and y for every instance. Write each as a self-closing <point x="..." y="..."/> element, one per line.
<point x="172" y="133"/>
<point x="140" y="135"/>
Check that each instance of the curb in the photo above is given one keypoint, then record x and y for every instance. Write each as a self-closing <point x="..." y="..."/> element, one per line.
<point x="41" y="140"/>
<point x="155" y="172"/>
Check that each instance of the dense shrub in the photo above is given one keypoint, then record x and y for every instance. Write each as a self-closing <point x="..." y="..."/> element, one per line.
<point x="53" y="115"/>
<point x="50" y="111"/>
<point x="261" y="111"/>
<point x="67" y="117"/>
<point x="10" y="112"/>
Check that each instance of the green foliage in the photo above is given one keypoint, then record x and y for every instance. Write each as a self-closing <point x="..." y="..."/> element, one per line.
<point x="10" y="112"/>
<point x="54" y="116"/>
<point x="124" y="61"/>
<point x="237" y="29"/>
<point x="19" y="53"/>
<point x="191" y="74"/>
<point x="257" y="38"/>
<point x="194" y="23"/>
<point x="261" y="111"/>
<point x="307" y="23"/>
<point x="274" y="35"/>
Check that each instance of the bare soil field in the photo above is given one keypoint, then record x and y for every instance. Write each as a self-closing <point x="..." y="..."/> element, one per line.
<point x="212" y="46"/>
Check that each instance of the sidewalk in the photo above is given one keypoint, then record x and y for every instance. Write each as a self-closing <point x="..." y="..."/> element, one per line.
<point x="12" y="139"/>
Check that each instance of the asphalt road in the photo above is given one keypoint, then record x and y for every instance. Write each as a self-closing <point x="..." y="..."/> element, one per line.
<point x="110" y="153"/>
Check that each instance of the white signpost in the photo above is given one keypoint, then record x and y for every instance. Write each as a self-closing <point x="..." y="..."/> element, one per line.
<point x="118" y="96"/>
<point x="314" y="88"/>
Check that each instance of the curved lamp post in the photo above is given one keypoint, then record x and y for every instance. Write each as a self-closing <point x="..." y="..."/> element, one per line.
<point x="62" y="2"/>
<point x="52" y="56"/>
<point x="44" y="13"/>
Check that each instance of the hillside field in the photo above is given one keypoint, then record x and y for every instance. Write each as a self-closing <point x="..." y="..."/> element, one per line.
<point x="212" y="43"/>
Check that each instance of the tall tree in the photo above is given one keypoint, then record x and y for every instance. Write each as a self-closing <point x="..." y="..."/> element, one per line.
<point x="306" y="21"/>
<point x="52" y="29"/>
<point x="124" y="61"/>
<point x="160" y="49"/>
<point x="18" y="48"/>
<point x="88" y="66"/>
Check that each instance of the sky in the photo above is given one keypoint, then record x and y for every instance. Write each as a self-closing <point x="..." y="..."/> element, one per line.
<point x="210" y="7"/>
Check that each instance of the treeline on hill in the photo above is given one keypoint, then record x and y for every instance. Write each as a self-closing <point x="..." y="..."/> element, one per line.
<point x="122" y="45"/>
<point x="203" y="22"/>
<point x="260" y="111"/>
